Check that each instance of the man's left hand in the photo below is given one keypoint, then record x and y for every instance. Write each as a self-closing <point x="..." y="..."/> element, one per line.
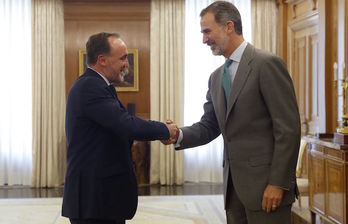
<point x="272" y="197"/>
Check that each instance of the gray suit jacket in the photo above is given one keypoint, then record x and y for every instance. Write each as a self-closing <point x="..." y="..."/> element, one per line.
<point x="260" y="126"/>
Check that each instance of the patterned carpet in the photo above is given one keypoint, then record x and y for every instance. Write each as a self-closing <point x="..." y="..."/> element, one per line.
<point x="201" y="209"/>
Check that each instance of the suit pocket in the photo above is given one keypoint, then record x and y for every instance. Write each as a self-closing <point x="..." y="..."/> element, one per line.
<point x="261" y="160"/>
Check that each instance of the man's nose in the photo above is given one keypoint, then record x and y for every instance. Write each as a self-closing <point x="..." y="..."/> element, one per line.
<point x="126" y="64"/>
<point x="205" y="39"/>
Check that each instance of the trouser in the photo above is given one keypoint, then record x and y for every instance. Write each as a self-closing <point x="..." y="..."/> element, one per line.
<point x="236" y="213"/>
<point x="95" y="221"/>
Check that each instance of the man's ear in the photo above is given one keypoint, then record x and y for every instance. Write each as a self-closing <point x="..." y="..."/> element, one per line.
<point x="101" y="60"/>
<point x="230" y="26"/>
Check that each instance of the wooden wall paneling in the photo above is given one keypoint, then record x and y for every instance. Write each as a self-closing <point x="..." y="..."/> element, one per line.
<point x="346" y="37"/>
<point x="294" y="70"/>
<point x="115" y="10"/>
<point x="300" y="74"/>
<point x="282" y="29"/>
<point x="301" y="8"/>
<point x="102" y="1"/>
<point x="341" y="44"/>
<point x="303" y="63"/>
<point x="313" y="80"/>
<point x="339" y="71"/>
<point x="330" y="59"/>
<point x="309" y="79"/>
<point x="310" y="16"/>
<point x="130" y="19"/>
<point x="323" y="122"/>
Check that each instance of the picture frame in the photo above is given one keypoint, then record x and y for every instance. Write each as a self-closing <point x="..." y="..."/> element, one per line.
<point x="82" y="61"/>
<point x="131" y="81"/>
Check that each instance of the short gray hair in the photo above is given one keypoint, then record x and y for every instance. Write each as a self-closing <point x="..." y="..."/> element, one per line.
<point x="224" y="12"/>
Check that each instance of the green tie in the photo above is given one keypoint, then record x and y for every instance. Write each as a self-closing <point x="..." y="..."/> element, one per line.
<point x="226" y="79"/>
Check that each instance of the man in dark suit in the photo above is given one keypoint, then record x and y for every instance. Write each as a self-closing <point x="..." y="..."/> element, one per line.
<point x="100" y="184"/>
<point x="252" y="103"/>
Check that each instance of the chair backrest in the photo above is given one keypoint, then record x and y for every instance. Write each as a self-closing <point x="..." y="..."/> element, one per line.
<point x="301" y="168"/>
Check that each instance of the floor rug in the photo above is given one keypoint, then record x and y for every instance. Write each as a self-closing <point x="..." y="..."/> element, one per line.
<point x="200" y="209"/>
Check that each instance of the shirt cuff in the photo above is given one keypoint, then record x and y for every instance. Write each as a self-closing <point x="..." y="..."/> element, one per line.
<point x="181" y="136"/>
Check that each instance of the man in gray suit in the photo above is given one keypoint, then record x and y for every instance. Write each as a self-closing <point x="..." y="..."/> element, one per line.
<point x="252" y="103"/>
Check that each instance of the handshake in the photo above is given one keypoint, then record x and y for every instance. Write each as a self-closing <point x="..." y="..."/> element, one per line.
<point x="173" y="131"/>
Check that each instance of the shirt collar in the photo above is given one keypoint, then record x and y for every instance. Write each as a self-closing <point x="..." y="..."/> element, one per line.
<point x="105" y="79"/>
<point x="237" y="54"/>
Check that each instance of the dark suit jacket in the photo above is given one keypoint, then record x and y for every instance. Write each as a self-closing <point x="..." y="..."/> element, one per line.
<point x="260" y="126"/>
<point x="100" y="179"/>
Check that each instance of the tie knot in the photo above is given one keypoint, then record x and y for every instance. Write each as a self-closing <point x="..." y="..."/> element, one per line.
<point x="228" y="62"/>
<point x="111" y="87"/>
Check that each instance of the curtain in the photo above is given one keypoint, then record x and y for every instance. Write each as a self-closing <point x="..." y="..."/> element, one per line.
<point x="15" y="93"/>
<point x="49" y="145"/>
<point x="204" y="163"/>
<point x="167" y="84"/>
<point x="264" y="24"/>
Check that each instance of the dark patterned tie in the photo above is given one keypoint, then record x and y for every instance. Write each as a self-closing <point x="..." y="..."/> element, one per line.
<point x="113" y="90"/>
<point x="226" y="79"/>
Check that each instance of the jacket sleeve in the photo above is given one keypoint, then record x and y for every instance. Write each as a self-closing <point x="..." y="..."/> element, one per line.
<point x="204" y="131"/>
<point x="103" y="109"/>
<point x="279" y="96"/>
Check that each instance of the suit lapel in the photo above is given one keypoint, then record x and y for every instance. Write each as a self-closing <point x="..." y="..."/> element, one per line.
<point x="111" y="89"/>
<point x="241" y="76"/>
<point x="221" y="95"/>
<point x="217" y="94"/>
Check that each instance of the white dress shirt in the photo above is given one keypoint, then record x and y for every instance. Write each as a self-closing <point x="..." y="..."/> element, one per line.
<point x="105" y="79"/>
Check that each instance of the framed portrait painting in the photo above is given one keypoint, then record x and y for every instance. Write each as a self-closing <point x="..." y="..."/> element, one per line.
<point x="131" y="81"/>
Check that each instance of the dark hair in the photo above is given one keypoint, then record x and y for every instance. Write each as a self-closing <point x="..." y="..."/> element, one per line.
<point x="224" y="12"/>
<point x="98" y="44"/>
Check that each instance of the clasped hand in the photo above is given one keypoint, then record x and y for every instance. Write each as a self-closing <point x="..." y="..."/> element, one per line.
<point x="173" y="131"/>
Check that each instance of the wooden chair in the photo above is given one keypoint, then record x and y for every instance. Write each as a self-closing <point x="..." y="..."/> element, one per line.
<point x="301" y="171"/>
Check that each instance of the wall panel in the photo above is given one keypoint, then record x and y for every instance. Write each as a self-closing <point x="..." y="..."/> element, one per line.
<point x="303" y="62"/>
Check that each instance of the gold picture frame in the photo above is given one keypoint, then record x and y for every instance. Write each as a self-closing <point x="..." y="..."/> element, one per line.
<point x="82" y="61"/>
<point x="131" y="81"/>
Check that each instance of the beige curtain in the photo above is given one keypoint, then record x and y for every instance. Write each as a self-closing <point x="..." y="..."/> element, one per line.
<point x="49" y="145"/>
<point x="167" y="84"/>
<point x="264" y="24"/>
